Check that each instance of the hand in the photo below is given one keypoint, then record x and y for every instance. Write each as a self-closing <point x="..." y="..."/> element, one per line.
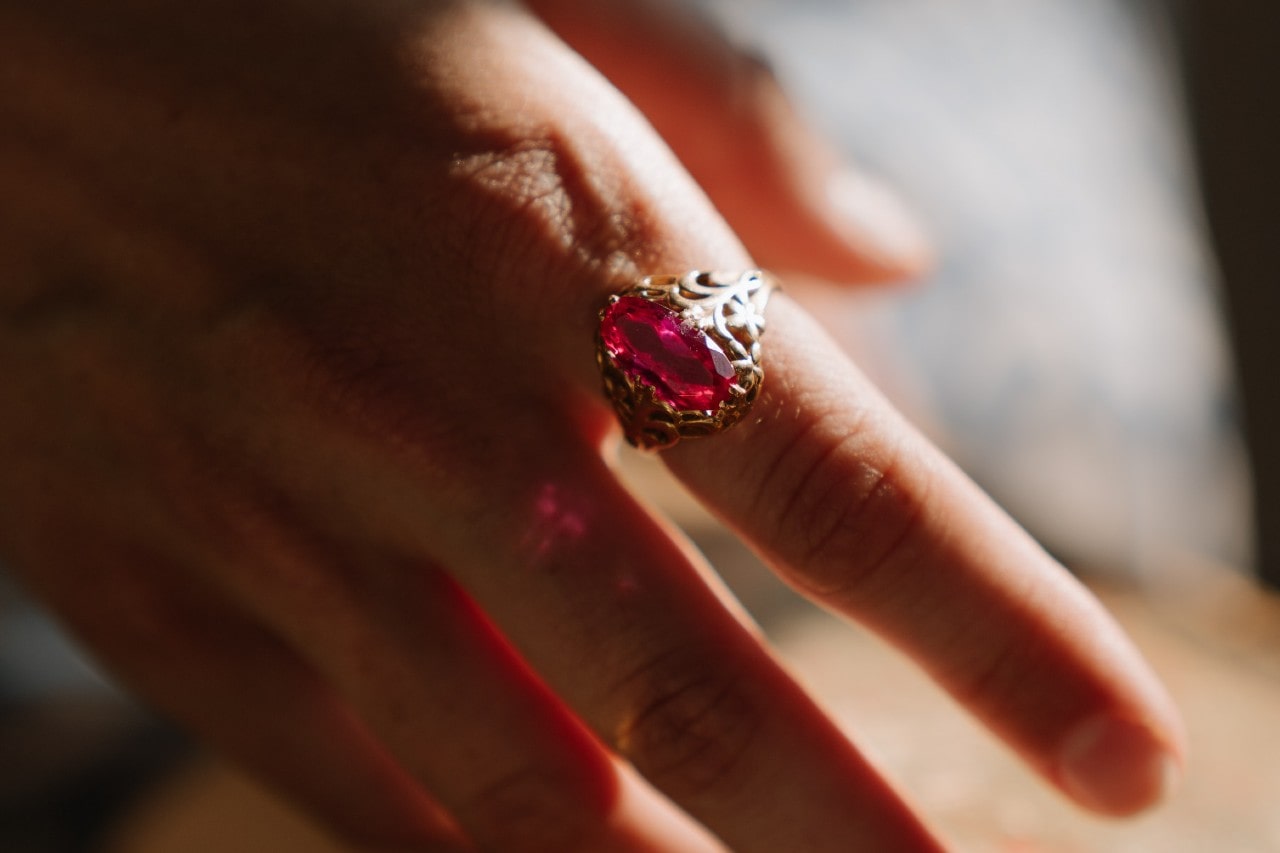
<point x="303" y="434"/>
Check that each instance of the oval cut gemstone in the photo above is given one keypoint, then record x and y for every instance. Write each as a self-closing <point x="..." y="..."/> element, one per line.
<point x="650" y="344"/>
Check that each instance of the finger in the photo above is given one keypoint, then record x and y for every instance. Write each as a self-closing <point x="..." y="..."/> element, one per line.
<point x="241" y="689"/>
<point x="859" y="512"/>
<point x="780" y="185"/>
<point x="517" y="770"/>
<point x="423" y="669"/>
<point x="610" y="608"/>
<point x="959" y="586"/>
<point x="600" y="601"/>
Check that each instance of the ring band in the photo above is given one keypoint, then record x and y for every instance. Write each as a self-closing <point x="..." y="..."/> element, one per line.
<point x="680" y="355"/>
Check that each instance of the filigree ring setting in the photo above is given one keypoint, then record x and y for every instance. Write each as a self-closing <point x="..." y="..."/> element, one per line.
<point x="680" y="354"/>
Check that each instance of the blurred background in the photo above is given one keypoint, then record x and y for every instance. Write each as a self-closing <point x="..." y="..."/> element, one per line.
<point x="1096" y="348"/>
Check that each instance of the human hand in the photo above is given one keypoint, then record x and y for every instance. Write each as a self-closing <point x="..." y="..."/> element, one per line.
<point x="303" y="433"/>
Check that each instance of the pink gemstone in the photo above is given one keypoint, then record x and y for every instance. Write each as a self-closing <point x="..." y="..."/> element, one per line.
<point x="651" y="345"/>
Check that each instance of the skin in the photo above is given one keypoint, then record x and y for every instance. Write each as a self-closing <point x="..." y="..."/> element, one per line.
<point x="303" y="434"/>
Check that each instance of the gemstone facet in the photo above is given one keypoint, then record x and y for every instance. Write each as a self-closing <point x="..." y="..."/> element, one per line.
<point x="652" y="345"/>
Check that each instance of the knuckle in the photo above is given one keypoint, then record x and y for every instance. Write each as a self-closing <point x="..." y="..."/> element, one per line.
<point x="761" y="116"/>
<point x="693" y="724"/>
<point x="531" y="810"/>
<point x="842" y="513"/>
<point x="800" y="497"/>
<point x="755" y="92"/>
<point x="542" y="197"/>
<point x="517" y="183"/>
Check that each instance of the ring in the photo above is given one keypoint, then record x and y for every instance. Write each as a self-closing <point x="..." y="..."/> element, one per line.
<point x="680" y="355"/>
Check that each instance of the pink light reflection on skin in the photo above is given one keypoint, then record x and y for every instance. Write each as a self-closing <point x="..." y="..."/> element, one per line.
<point x="556" y="523"/>
<point x="560" y="519"/>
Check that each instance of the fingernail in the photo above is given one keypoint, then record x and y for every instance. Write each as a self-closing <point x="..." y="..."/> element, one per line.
<point x="877" y="222"/>
<point x="1116" y="767"/>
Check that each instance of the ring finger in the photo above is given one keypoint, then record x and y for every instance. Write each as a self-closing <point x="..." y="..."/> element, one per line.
<point x="610" y="607"/>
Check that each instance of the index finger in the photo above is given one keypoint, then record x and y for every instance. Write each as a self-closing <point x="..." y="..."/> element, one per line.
<point x="858" y="511"/>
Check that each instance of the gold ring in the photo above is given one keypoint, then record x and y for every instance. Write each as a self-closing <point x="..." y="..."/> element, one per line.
<point x="680" y="355"/>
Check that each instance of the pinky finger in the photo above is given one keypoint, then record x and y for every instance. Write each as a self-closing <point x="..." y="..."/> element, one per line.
<point x="234" y="684"/>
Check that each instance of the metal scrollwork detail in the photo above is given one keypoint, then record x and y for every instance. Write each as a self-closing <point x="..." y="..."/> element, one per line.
<point x="729" y="309"/>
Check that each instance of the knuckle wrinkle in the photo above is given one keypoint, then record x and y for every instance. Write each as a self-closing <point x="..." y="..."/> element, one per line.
<point x="690" y="730"/>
